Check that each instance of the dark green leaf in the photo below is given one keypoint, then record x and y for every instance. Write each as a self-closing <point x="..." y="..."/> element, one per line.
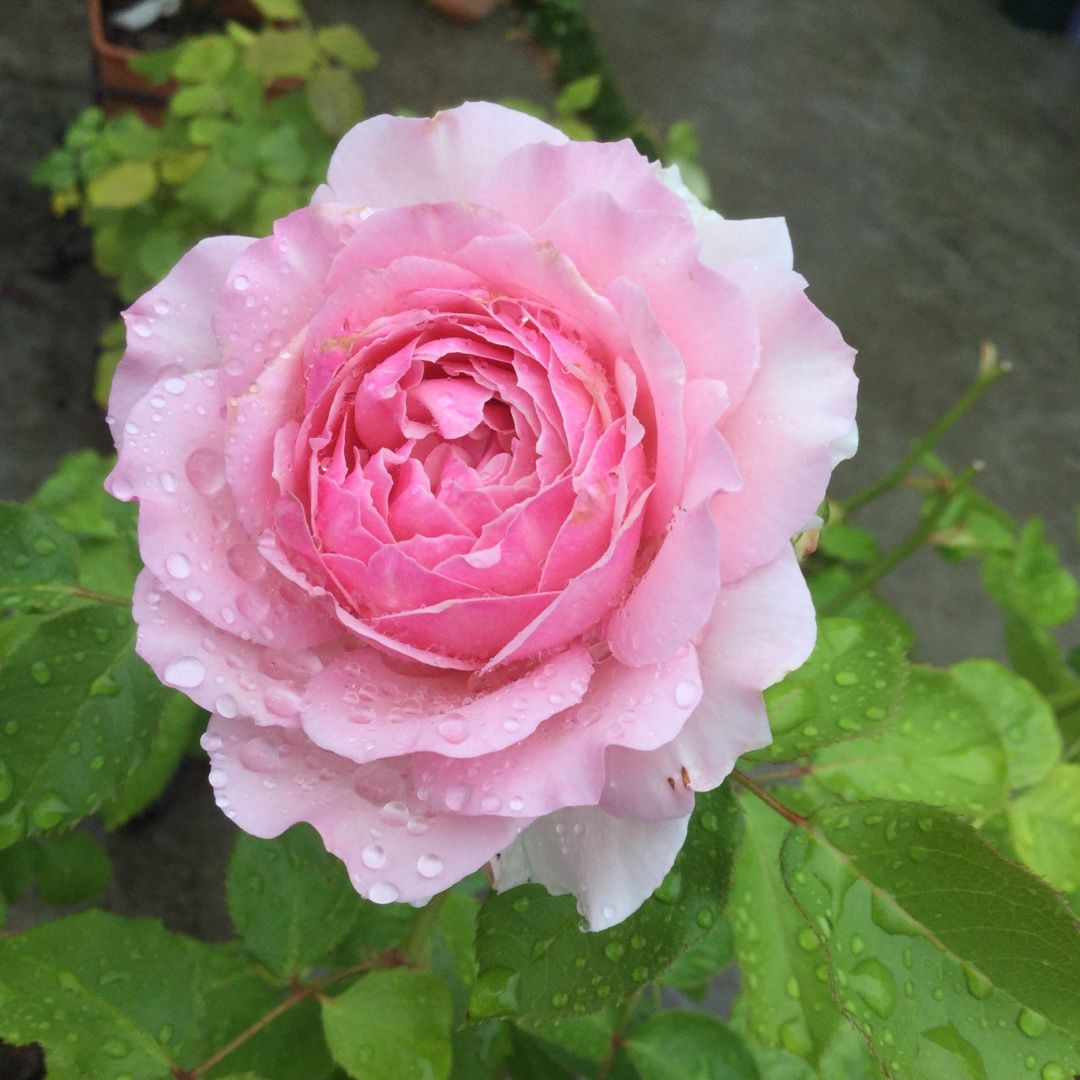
<point x="848" y="543"/>
<point x="535" y="961"/>
<point x="290" y="900"/>
<point x="72" y="868"/>
<point x="39" y="561"/>
<point x="689" y="1046"/>
<point x="178" y="721"/>
<point x="693" y="972"/>
<point x="156" y="66"/>
<point x="111" y="997"/>
<point x="81" y="713"/>
<point x="851" y="684"/>
<point x="217" y="190"/>
<point x="391" y="1025"/>
<point x="283" y="156"/>
<point x="1036" y="655"/>
<point x="826" y="585"/>
<point x="951" y="960"/>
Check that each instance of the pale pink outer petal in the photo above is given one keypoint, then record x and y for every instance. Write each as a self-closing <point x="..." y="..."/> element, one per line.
<point x="362" y="709"/>
<point x="533" y="180"/>
<point x="724" y="240"/>
<point x="762" y="627"/>
<point x="213" y="668"/>
<point x="189" y="537"/>
<point x="562" y="763"/>
<point x="169" y="327"/>
<point x="610" y="864"/>
<point x="267" y="779"/>
<point x="801" y="401"/>
<point x="394" y="161"/>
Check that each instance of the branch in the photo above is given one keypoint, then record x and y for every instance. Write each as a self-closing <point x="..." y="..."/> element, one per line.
<point x="915" y="540"/>
<point x="785" y="812"/>
<point x="990" y="371"/>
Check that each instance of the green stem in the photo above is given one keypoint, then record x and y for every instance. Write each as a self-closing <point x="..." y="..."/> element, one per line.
<point x="915" y="540"/>
<point x="785" y="812"/>
<point x="1066" y="699"/>
<point x="104" y="598"/>
<point x="300" y="993"/>
<point x="990" y="371"/>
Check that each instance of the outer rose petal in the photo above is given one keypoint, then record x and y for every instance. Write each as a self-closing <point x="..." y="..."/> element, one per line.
<point x="562" y="763"/>
<point x="394" y="161"/>
<point x="801" y="402"/>
<point x="610" y="864"/>
<point x="762" y="627"/>
<point x="169" y="327"/>
<point x="267" y="779"/>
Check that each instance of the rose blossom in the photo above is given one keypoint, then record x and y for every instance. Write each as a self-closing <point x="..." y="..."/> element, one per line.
<point x="466" y="502"/>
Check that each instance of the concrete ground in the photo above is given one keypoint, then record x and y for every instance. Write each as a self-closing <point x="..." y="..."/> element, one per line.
<point x="925" y="153"/>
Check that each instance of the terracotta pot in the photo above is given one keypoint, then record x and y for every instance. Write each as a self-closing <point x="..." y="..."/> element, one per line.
<point x="119" y="88"/>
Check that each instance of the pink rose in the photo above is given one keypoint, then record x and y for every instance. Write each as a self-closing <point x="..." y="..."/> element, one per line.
<point x="466" y="500"/>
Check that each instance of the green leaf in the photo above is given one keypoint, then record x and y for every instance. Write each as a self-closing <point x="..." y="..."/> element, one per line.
<point x="335" y="101"/>
<point x="72" y="868"/>
<point x="694" y="971"/>
<point x="689" y="1046"/>
<point x="217" y="190"/>
<point x="282" y="54"/>
<point x="848" y="543"/>
<point x="973" y="525"/>
<point x="205" y="59"/>
<point x="1036" y="655"/>
<point x="826" y="584"/>
<point x="784" y="1000"/>
<point x="81" y="710"/>
<point x="391" y="1025"/>
<point x="274" y="203"/>
<point x="682" y="142"/>
<point x="1022" y="716"/>
<point x="283" y="156"/>
<point x="159" y="251"/>
<point x="111" y="346"/>
<point x="578" y="95"/>
<point x="179" y="719"/>
<point x="576" y="1041"/>
<point x="850" y="684"/>
<point x="18" y="865"/>
<point x="944" y="750"/>
<point x="1031" y="582"/>
<point x="535" y="961"/>
<point x="122" y="186"/>
<point x="347" y="44"/>
<point x="156" y="66"/>
<point x="129" y="136"/>
<point x="1044" y="825"/>
<point x="289" y="899"/>
<point x="952" y="961"/>
<point x="201" y="99"/>
<point x="280" y="10"/>
<point x="39" y="561"/>
<point x="107" y="997"/>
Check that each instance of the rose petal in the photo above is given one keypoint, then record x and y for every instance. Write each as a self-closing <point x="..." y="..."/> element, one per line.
<point x="762" y="627"/>
<point x="395" y="849"/>
<point x="611" y="865"/>
<point x="395" y="161"/>
<point x="361" y="708"/>
<point x="562" y="762"/>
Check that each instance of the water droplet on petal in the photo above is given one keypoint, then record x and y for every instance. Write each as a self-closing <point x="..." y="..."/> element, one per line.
<point x="395" y="814"/>
<point x="373" y="857"/>
<point x="429" y="866"/>
<point x="453" y="728"/>
<point x="382" y="892"/>
<point x="185" y="673"/>
<point x="206" y="471"/>
<point x="178" y="566"/>
<point x="217" y="778"/>
<point x="260" y="755"/>
<point x="686" y="693"/>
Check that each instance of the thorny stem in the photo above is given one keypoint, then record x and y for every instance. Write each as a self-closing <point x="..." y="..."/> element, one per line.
<point x="390" y="958"/>
<point x="915" y="540"/>
<point x="785" y="812"/>
<point x="990" y="371"/>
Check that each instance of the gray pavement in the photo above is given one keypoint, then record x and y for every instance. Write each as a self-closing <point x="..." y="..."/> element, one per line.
<point x="925" y="153"/>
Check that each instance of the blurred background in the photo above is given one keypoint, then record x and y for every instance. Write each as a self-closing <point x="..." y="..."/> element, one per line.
<point x="924" y="152"/>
